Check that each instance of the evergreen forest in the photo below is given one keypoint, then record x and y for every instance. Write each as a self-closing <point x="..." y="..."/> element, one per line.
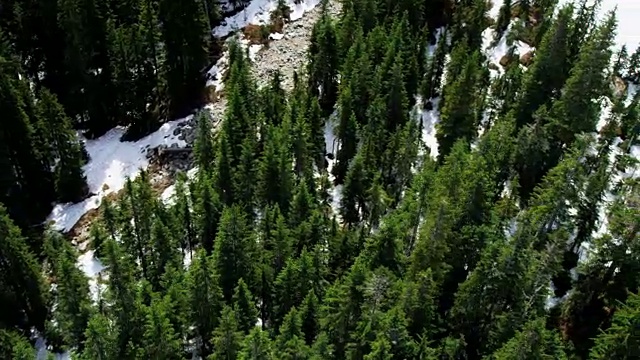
<point x="320" y="224"/>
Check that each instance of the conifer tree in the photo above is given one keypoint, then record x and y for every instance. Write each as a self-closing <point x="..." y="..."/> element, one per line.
<point x="70" y="181"/>
<point x="26" y="180"/>
<point x="309" y="316"/>
<point x="208" y="208"/>
<point x="546" y="75"/>
<point x="160" y="340"/>
<point x="226" y="337"/>
<point x="205" y="298"/>
<point x="347" y="135"/>
<point x="533" y="342"/>
<point x="275" y="174"/>
<point x="21" y="278"/>
<point x="586" y="83"/>
<point x="101" y="336"/>
<point x="184" y="217"/>
<point x="234" y="254"/>
<point x="504" y="18"/>
<point x="14" y="346"/>
<point x="123" y="296"/>
<point x="186" y="38"/>
<point x="73" y="309"/>
<point x="204" y="145"/>
<point x="244" y="306"/>
<point x="256" y="346"/>
<point x="290" y="342"/>
<point x="620" y="341"/>
<point x="458" y="118"/>
<point x="323" y="61"/>
<point x="244" y="186"/>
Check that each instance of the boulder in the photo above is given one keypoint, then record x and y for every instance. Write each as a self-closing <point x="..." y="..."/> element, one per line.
<point x="527" y="58"/>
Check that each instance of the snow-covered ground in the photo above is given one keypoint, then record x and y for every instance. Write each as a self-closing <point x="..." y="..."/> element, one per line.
<point x="428" y="120"/>
<point x="91" y="266"/>
<point x="111" y="162"/>
<point x="258" y="12"/>
<point x="331" y="147"/>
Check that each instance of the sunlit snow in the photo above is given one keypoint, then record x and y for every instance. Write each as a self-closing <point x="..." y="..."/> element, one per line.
<point x="428" y="120"/>
<point x="91" y="266"/>
<point x="258" y="12"/>
<point x="111" y="162"/>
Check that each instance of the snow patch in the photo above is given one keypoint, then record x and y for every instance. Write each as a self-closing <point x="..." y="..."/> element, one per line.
<point x="91" y="266"/>
<point x="258" y="12"/>
<point x="494" y="12"/>
<point x="111" y="162"/>
<point x="276" y="36"/>
<point x="428" y="120"/>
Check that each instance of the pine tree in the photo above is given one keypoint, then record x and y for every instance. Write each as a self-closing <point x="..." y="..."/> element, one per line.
<point x="208" y="209"/>
<point x="226" y="338"/>
<point x="244" y="187"/>
<point x="458" y="117"/>
<point x="533" y="342"/>
<point x="290" y="342"/>
<point x="73" y="309"/>
<point x="323" y="62"/>
<point x="26" y="180"/>
<point x="587" y="82"/>
<point x="256" y="346"/>
<point x="15" y="346"/>
<point x="204" y="145"/>
<point x="21" y="278"/>
<point x="186" y="38"/>
<point x="347" y="135"/>
<point x="160" y="340"/>
<point x="70" y="181"/>
<point x="101" y="336"/>
<point x="504" y="18"/>
<point x="546" y="75"/>
<point x="122" y="295"/>
<point x="309" y="316"/>
<point x="205" y="298"/>
<point x="621" y="340"/>
<point x="234" y="254"/>
<point x="275" y="174"/>
<point x="244" y="306"/>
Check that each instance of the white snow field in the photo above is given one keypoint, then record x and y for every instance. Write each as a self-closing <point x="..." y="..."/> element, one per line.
<point x="111" y="162"/>
<point x="258" y="13"/>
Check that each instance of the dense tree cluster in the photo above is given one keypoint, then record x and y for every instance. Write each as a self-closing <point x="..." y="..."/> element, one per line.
<point x="518" y="241"/>
<point x="115" y="62"/>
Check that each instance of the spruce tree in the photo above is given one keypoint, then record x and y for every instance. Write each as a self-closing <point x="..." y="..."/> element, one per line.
<point x="256" y="346"/>
<point x="205" y="298"/>
<point x="186" y="38"/>
<point x="21" y="278"/>
<point x="234" y="254"/>
<point x="323" y="62"/>
<point x="533" y="342"/>
<point x="244" y="306"/>
<point x="160" y="340"/>
<point x="73" y="309"/>
<point x="226" y="337"/>
<point x="101" y="336"/>
<point x="621" y="340"/>
<point x="458" y="117"/>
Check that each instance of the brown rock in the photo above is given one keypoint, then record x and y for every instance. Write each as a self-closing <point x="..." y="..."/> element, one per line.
<point x="527" y="58"/>
<point x="619" y="87"/>
<point x="506" y="60"/>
